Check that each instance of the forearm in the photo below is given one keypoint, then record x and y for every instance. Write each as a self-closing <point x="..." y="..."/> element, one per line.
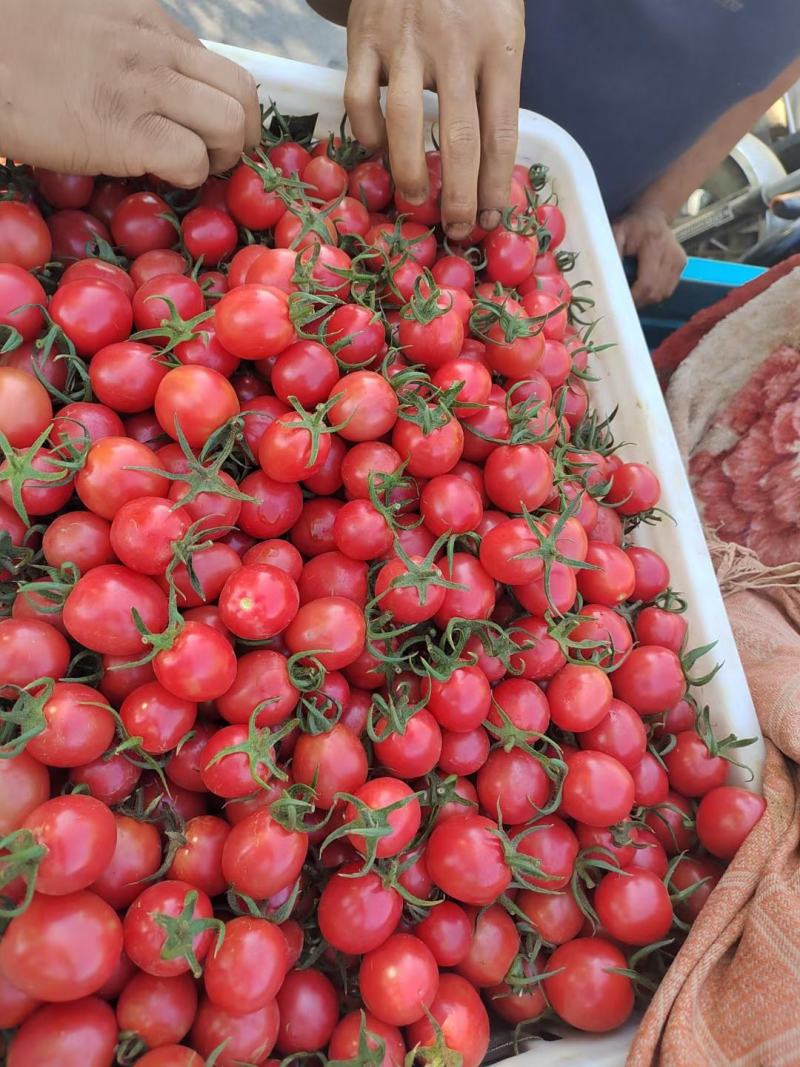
<point x="689" y="171"/>
<point x="332" y="10"/>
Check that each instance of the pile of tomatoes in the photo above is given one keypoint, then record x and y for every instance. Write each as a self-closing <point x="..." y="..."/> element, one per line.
<point x="340" y="715"/>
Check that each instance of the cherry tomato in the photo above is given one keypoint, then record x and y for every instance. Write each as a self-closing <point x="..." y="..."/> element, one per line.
<point x="552" y="844"/>
<point x="447" y="931"/>
<point x="435" y="340"/>
<point x="146" y="940"/>
<point x="209" y="233"/>
<point x="399" y="980"/>
<point x="246" y="1038"/>
<point x="402" y="820"/>
<point x="371" y="183"/>
<point x="200" y="664"/>
<point x="62" y="947"/>
<point x="620" y="733"/>
<point x="140" y="223"/>
<point x="159" y="718"/>
<point x="346" y="1036"/>
<point x="24" y="785"/>
<point x="25" y="239"/>
<point x="650" y="679"/>
<point x="512" y="785"/>
<point x="465" y="859"/>
<point x="463" y="753"/>
<point x="30" y="649"/>
<point x="364" y="406"/>
<point x="432" y="453"/>
<point x="725" y="816"/>
<point x="633" y="489"/>
<point x="20" y="293"/>
<point x="137" y="856"/>
<point x="587" y="992"/>
<point x="92" y="313"/>
<point x="197" y="399"/>
<point x="614" y="579"/>
<point x="78" y="834"/>
<point x="305" y="370"/>
<point x="651" y="571"/>
<point x="252" y="322"/>
<point x="509" y="256"/>
<point x="260" y="857"/>
<point x="555" y="917"/>
<point x="247" y="971"/>
<point x="158" y="1010"/>
<point x="461" y="1019"/>
<point x="579" y="697"/>
<point x="357" y="914"/>
<point x="82" y="1033"/>
<point x="634" y="907"/>
<point x="98" y="611"/>
<point x="309" y="1010"/>
<point x="462" y="702"/>
<point x="700" y="874"/>
<point x="251" y="202"/>
<point x="598" y="790"/>
<point x="77" y="727"/>
<point x="493" y="946"/>
<point x="108" y="480"/>
<point x="25" y="407"/>
<point x="414" y="753"/>
<point x="332" y="628"/>
<point x="332" y="762"/>
<point x="258" y="601"/>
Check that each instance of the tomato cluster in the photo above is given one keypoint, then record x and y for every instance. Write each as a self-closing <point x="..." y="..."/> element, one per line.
<point x="339" y="712"/>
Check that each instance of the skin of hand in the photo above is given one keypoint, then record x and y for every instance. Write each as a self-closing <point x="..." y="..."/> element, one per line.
<point x="473" y="60"/>
<point x="117" y="87"/>
<point x="644" y="231"/>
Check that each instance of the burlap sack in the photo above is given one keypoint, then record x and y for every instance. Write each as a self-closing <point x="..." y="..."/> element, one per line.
<point x="735" y="407"/>
<point x="672" y="352"/>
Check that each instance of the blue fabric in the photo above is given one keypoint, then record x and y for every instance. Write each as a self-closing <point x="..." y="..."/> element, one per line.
<point x="636" y="82"/>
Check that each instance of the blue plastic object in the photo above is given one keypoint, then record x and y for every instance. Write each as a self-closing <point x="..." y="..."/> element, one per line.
<point x="703" y="283"/>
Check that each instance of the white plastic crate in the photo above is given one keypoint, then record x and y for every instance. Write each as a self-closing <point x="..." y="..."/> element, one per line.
<point x="627" y="379"/>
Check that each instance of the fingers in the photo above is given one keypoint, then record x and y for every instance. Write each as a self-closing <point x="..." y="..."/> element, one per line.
<point x="162" y="147"/>
<point x="499" y="108"/>
<point x="460" y="134"/>
<point x="406" y="127"/>
<point x="362" y="96"/>
<point x="202" y="65"/>
<point x="661" y="262"/>
<point x="218" y="119"/>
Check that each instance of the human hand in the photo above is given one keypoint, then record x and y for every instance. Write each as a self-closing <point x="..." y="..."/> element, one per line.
<point x="644" y="232"/>
<point x="117" y="87"/>
<point x="474" y="61"/>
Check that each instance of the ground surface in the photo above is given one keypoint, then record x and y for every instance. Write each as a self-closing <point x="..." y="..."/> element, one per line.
<point x="284" y="27"/>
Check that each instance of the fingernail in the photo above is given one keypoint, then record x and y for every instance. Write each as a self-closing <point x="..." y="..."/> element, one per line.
<point x="489" y="220"/>
<point x="458" y="230"/>
<point x="415" y="197"/>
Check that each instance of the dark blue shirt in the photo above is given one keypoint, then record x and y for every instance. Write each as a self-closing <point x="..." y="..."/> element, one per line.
<point x="637" y="82"/>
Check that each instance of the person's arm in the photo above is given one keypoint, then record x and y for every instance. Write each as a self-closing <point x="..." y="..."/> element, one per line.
<point x="644" y="230"/>
<point x="117" y="87"/>
<point x="475" y="65"/>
